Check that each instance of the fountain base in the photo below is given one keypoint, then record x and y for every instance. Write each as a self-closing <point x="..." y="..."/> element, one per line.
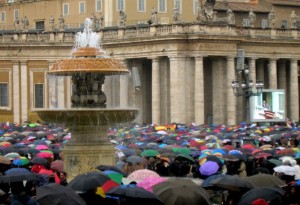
<point x="79" y="159"/>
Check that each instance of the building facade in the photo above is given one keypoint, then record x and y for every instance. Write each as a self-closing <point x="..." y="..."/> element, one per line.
<point x="181" y="68"/>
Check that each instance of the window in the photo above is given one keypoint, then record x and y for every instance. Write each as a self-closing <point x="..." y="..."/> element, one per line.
<point x="298" y="24"/>
<point x="3" y="94"/>
<point x="16" y="14"/>
<point x="246" y="22"/>
<point x="66" y="9"/>
<point x="98" y="5"/>
<point x="3" y="16"/>
<point x="40" y="25"/>
<point x="162" y="7"/>
<point x="39" y="95"/>
<point x="141" y="5"/>
<point x="177" y="3"/>
<point x="120" y="5"/>
<point x="284" y="24"/>
<point x="196" y="6"/>
<point x="264" y="23"/>
<point x="82" y="7"/>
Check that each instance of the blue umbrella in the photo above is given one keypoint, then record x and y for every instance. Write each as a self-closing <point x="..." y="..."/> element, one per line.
<point x="207" y="182"/>
<point x="209" y="168"/>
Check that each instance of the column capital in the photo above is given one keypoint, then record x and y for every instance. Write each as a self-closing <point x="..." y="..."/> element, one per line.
<point x="294" y="60"/>
<point x="15" y="61"/>
<point x="230" y="58"/>
<point x="154" y="58"/>
<point x="23" y="62"/>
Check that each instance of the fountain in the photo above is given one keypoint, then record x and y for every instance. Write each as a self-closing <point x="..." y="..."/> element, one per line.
<point x="88" y="119"/>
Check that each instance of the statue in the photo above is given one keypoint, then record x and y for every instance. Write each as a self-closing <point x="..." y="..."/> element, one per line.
<point x="208" y="9"/>
<point x="153" y="20"/>
<point x="252" y="18"/>
<point x="61" y="23"/>
<point x="123" y="18"/>
<point x="176" y="14"/>
<point x="230" y="17"/>
<point x="94" y="22"/>
<point x="51" y="23"/>
<point x="271" y="19"/>
<point x="293" y="17"/>
<point x="25" y="24"/>
<point x="200" y="14"/>
<point x="100" y="21"/>
<point x="17" y="24"/>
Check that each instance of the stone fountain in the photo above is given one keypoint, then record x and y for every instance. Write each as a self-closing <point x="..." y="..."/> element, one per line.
<point x="88" y="119"/>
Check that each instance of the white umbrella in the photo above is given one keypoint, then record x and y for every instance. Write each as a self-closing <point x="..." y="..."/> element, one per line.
<point x="161" y="132"/>
<point x="287" y="170"/>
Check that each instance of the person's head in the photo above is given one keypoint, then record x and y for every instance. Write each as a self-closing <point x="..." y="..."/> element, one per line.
<point x="62" y="175"/>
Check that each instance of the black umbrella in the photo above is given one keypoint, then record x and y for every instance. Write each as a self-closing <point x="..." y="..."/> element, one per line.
<point x="56" y="194"/>
<point x="181" y="191"/>
<point x="232" y="182"/>
<point x="266" y="193"/>
<point x="265" y="180"/>
<point x="207" y="182"/>
<point x="92" y="180"/>
<point x="39" y="160"/>
<point x="17" y="175"/>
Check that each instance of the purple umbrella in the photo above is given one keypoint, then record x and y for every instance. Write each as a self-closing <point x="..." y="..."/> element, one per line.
<point x="209" y="168"/>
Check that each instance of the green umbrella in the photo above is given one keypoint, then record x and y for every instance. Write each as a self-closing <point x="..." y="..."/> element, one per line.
<point x="149" y="153"/>
<point x="182" y="150"/>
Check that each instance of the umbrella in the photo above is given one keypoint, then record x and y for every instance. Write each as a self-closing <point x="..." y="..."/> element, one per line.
<point x="266" y="193"/>
<point x="92" y="180"/>
<point x="12" y="155"/>
<point x="209" y="168"/>
<point x="149" y="153"/>
<point x="275" y="162"/>
<point x="207" y="182"/>
<point x="265" y="180"/>
<point x="39" y="160"/>
<point x="56" y="194"/>
<point x="135" y="192"/>
<point x="21" y="161"/>
<point x="185" y="157"/>
<point x="141" y="174"/>
<point x="134" y="159"/>
<point x="181" y="191"/>
<point x="17" y="174"/>
<point x="287" y="170"/>
<point x="115" y="176"/>
<point x="110" y="167"/>
<point x="4" y="160"/>
<point x="149" y="182"/>
<point x="45" y="155"/>
<point x="232" y="182"/>
<point x="41" y="147"/>
<point x="57" y="166"/>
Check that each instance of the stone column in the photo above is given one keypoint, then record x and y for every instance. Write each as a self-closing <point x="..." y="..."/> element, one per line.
<point x="16" y="92"/>
<point x="68" y="91"/>
<point x="231" y="99"/>
<point x="124" y="89"/>
<point x="60" y="91"/>
<point x="177" y="96"/>
<point x="252" y="70"/>
<point x="52" y="88"/>
<point x="24" y="92"/>
<point x="282" y="75"/>
<point x="272" y="74"/>
<point x="199" y="91"/>
<point x="294" y="91"/>
<point x="156" y="109"/>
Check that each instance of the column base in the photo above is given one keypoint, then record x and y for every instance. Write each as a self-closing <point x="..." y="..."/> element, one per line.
<point x="79" y="159"/>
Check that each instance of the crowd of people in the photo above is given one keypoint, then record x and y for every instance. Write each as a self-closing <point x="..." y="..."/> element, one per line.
<point x="174" y="150"/>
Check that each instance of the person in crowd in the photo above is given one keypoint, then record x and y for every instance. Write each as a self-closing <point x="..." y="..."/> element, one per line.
<point x="19" y="195"/>
<point x="63" y="178"/>
<point x="242" y="169"/>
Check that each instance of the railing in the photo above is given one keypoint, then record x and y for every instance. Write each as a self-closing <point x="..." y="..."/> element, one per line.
<point x="10" y="36"/>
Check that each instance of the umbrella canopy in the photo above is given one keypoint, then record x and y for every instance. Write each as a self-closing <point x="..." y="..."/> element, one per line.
<point x="265" y="180"/>
<point x="4" y="160"/>
<point x="266" y="193"/>
<point x="21" y="161"/>
<point x="134" y="192"/>
<point x="56" y="194"/>
<point x="57" y="166"/>
<point x="209" y="168"/>
<point x="181" y="191"/>
<point x="39" y="161"/>
<point x="149" y="182"/>
<point x="149" y="153"/>
<point x="115" y="176"/>
<point x="207" y="182"/>
<point x="141" y="174"/>
<point x="92" y="180"/>
<point x="285" y="169"/>
<point x="17" y="174"/>
<point x="232" y="182"/>
<point x="110" y="167"/>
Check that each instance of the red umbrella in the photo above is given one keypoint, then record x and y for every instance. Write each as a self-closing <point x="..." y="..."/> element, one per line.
<point x="248" y="146"/>
<point x="45" y="155"/>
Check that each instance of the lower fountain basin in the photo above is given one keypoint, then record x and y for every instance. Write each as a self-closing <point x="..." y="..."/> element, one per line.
<point x="88" y="116"/>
